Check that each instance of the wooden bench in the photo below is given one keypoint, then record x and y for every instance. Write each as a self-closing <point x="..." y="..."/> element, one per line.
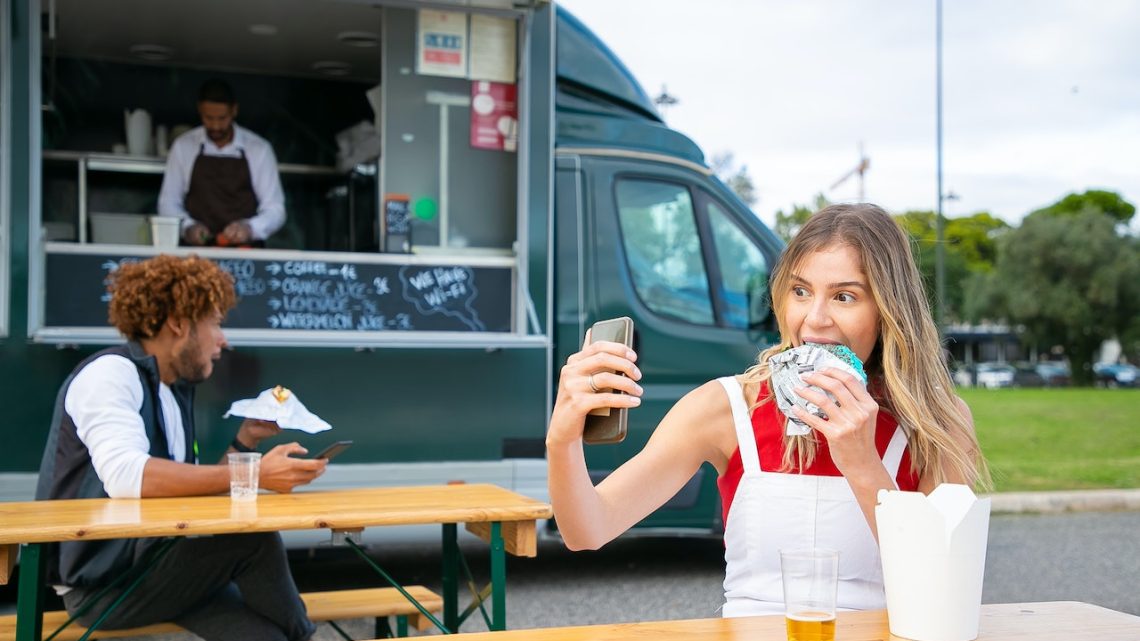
<point x="322" y="606"/>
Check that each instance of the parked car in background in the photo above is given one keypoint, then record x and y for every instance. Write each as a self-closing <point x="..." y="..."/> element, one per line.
<point x="1116" y="374"/>
<point x="1026" y="375"/>
<point x="995" y="375"/>
<point x="1054" y="373"/>
<point x="991" y="375"/>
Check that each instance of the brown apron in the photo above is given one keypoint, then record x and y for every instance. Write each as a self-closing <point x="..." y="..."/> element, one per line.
<point x="221" y="191"/>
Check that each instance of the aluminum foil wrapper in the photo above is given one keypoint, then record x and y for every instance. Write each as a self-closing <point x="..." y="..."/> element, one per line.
<point x="789" y="367"/>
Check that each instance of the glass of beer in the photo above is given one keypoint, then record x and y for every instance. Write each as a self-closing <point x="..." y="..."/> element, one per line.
<point x="811" y="579"/>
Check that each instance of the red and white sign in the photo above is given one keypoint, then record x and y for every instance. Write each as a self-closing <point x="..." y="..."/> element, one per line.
<point x="494" y="116"/>
<point x="441" y="43"/>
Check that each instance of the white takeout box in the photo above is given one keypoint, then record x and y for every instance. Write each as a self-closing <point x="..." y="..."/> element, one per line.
<point x="934" y="559"/>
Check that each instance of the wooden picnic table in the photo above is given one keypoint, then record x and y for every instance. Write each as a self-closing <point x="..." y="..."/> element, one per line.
<point x="1051" y="621"/>
<point x="505" y="519"/>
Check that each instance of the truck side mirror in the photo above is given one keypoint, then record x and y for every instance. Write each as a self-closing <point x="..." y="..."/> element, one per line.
<point x="759" y="304"/>
<point x="762" y="328"/>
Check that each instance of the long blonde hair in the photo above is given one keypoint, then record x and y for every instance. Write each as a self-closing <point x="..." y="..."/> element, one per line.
<point x="906" y="372"/>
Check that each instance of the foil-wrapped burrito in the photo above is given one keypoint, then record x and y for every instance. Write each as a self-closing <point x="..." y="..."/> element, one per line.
<point x="789" y="367"/>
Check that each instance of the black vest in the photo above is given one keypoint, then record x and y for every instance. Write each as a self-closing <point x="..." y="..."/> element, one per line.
<point x="66" y="472"/>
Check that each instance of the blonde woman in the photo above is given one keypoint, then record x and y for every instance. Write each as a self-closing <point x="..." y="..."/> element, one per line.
<point x="847" y="278"/>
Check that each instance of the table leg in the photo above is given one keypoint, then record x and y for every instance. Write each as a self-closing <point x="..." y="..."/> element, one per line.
<point x="30" y="604"/>
<point x="450" y="577"/>
<point x="498" y="578"/>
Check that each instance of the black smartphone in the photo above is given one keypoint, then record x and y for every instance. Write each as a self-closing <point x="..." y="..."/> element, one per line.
<point x="608" y="424"/>
<point x="331" y="451"/>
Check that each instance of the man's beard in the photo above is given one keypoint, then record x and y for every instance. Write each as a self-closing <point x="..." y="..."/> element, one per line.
<point x="189" y="369"/>
<point x="218" y="136"/>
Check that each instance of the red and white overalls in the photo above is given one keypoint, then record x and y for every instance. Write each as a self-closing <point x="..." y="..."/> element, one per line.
<point x="767" y="511"/>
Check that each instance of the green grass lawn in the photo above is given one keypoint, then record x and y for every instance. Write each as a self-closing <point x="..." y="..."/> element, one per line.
<point x="1058" y="439"/>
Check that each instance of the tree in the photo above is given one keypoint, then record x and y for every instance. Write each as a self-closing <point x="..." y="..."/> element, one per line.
<point x="975" y="237"/>
<point x="788" y="225"/>
<point x="971" y="247"/>
<point x="1106" y="202"/>
<point x="1130" y="337"/>
<point x="1068" y="280"/>
<point x="735" y="178"/>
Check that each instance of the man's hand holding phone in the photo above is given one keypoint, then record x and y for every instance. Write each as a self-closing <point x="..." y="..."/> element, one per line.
<point x="282" y="469"/>
<point x="330" y="452"/>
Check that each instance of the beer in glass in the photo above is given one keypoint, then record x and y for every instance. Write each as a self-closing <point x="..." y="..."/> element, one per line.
<point x="811" y="579"/>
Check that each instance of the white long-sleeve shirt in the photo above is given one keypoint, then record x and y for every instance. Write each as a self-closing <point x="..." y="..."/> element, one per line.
<point x="104" y="400"/>
<point x="262" y="170"/>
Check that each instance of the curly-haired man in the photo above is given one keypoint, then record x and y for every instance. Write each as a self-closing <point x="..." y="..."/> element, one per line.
<point x="124" y="427"/>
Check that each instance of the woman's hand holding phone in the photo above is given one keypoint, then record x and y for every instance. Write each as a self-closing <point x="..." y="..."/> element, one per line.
<point x="602" y="376"/>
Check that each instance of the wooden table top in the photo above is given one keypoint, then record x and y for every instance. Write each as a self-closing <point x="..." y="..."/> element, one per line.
<point x="89" y="519"/>
<point x="1053" y="621"/>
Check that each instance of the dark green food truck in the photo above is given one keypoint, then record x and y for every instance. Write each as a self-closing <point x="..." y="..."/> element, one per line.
<point x="467" y="187"/>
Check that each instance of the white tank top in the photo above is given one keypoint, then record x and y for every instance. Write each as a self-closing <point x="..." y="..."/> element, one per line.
<point x="773" y="511"/>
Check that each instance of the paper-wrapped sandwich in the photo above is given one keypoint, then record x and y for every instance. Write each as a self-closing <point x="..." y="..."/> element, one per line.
<point x="281" y="405"/>
<point x="282" y="394"/>
<point x="789" y="367"/>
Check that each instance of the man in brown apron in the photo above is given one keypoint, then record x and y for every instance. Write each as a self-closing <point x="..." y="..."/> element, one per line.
<point x="221" y="179"/>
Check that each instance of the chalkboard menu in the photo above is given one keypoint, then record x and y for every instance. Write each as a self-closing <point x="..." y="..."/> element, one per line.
<point x="315" y="295"/>
<point x="396" y="216"/>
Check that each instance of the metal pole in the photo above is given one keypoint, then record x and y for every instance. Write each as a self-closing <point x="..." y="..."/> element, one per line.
<point x="450" y="577"/>
<point x="939" y="249"/>
<point x="30" y="599"/>
<point x="498" y="578"/>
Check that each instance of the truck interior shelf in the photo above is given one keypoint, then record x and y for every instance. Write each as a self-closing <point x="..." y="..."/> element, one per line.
<point x="99" y="161"/>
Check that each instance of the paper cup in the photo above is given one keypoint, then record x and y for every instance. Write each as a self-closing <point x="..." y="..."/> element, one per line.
<point x="164" y="231"/>
<point x="244" y="470"/>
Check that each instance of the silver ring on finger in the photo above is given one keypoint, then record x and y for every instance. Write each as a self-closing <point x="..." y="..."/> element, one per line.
<point x="593" y="385"/>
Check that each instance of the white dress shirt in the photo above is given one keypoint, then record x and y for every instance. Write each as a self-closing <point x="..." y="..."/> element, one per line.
<point x="104" y="400"/>
<point x="262" y="170"/>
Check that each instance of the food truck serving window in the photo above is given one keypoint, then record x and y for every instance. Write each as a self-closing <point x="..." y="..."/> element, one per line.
<point x="375" y="151"/>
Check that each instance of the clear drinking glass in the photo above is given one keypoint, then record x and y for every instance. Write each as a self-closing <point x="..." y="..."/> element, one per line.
<point x="244" y="470"/>
<point x="811" y="580"/>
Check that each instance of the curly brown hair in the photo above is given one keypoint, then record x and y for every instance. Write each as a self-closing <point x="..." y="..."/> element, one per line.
<point x="146" y="293"/>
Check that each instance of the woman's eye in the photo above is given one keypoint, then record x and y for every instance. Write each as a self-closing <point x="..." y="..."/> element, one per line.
<point x="799" y="291"/>
<point x="844" y="297"/>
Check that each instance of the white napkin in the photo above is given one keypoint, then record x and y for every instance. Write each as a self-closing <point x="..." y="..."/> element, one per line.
<point x="289" y="414"/>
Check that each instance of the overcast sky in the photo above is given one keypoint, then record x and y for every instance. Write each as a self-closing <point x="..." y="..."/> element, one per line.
<point x="1040" y="98"/>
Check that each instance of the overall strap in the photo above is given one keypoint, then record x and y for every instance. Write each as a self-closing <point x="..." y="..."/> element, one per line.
<point x="742" y="421"/>
<point x="892" y="458"/>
